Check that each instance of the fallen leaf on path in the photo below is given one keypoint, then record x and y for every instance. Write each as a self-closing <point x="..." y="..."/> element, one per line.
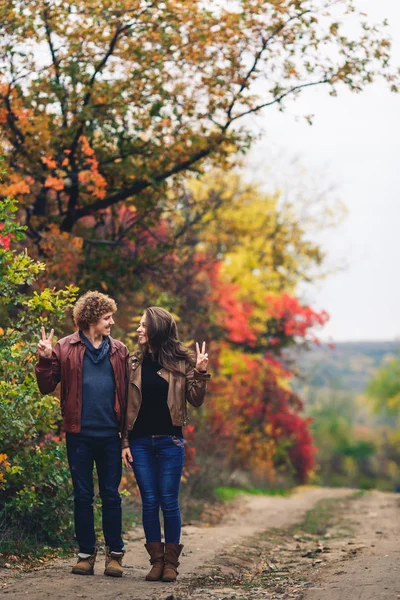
<point x="317" y="562"/>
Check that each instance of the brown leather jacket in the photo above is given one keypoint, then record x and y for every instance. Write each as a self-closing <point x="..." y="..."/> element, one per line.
<point x="190" y="385"/>
<point x="65" y="365"/>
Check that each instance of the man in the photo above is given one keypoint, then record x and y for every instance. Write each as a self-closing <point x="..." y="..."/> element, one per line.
<point x="91" y="367"/>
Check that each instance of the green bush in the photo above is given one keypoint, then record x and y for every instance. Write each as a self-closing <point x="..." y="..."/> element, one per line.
<point x="34" y="479"/>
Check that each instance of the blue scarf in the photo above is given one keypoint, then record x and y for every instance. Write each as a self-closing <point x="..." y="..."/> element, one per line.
<point x="97" y="355"/>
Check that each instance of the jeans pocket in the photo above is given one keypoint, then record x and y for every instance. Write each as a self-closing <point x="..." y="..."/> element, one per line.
<point x="178" y="441"/>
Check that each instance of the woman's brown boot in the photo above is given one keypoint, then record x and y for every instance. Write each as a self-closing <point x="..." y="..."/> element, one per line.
<point x="156" y="551"/>
<point x="171" y="564"/>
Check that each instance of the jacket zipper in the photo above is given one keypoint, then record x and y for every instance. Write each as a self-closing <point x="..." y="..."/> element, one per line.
<point x="185" y="413"/>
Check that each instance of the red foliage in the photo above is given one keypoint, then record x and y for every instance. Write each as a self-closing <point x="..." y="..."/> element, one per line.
<point x="295" y="319"/>
<point x="190" y="451"/>
<point x="5" y="241"/>
<point x="233" y="314"/>
<point x="293" y="430"/>
<point x="253" y="412"/>
<point x="259" y="419"/>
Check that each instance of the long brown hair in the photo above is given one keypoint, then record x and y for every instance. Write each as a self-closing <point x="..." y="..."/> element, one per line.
<point x="162" y="333"/>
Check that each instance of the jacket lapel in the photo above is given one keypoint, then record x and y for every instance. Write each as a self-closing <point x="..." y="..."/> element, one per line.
<point x="135" y="373"/>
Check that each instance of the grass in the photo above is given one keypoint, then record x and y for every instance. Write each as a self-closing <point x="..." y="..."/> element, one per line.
<point x="322" y="517"/>
<point x="227" y="494"/>
<point x="319" y="519"/>
<point x="359" y="493"/>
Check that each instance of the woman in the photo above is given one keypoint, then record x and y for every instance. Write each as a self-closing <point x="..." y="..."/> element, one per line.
<point x="163" y="375"/>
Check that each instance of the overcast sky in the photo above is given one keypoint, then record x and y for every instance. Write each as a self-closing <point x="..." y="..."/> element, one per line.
<point x="355" y="143"/>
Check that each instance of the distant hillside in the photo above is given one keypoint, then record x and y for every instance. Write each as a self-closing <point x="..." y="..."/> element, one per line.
<point x="349" y="366"/>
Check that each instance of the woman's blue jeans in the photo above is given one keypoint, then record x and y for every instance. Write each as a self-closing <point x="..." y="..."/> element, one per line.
<point x="158" y="464"/>
<point x="83" y="452"/>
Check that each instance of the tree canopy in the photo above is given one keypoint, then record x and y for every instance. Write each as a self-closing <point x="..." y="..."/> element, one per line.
<point x="106" y="103"/>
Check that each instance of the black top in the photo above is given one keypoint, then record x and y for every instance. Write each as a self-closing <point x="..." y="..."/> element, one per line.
<point x="154" y="417"/>
<point x="98" y="416"/>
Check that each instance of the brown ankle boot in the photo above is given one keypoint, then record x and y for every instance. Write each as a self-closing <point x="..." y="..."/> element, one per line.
<point x="85" y="566"/>
<point x="156" y="551"/>
<point x="113" y="563"/>
<point x="171" y="564"/>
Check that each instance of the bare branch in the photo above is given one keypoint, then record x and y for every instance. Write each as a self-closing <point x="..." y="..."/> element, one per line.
<point x="278" y="99"/>
<point x="12" y="119"/>
<point x="56" y="64"/>
<point x="119" y="30"/>
<point x="258" y="57"/>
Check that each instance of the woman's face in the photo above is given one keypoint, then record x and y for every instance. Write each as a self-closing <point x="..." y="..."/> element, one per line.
<point x="142" y="332"/>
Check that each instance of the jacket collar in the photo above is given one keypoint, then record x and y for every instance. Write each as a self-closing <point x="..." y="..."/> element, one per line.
<point x="136" y="363"/>
<point x="75" y="338"/>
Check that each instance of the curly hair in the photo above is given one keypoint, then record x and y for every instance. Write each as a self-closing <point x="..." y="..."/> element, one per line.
<point x="90" y="307"/>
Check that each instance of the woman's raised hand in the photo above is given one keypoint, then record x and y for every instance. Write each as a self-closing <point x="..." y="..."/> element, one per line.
<point x="45" y="345"/>
<point x="202" y="357"/>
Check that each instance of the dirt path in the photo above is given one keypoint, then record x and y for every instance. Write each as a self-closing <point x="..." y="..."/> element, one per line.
<point x="370" y="569"/>
<point x="374" y="566"/>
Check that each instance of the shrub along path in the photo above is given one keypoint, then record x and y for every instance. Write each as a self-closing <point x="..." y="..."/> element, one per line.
<point x="318" y="544"/>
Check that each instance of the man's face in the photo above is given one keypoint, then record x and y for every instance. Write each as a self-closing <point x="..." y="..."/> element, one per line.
<point x="103" y="325"/>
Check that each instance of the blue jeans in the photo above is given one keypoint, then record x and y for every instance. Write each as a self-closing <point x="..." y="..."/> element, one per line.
<point x="83" y="452"/>
<point x="158" y="464"/>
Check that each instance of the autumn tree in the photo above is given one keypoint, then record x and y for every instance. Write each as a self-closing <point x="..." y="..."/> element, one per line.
<point x="103" y="104"/>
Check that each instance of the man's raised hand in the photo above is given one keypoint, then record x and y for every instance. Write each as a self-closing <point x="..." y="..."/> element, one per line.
<point x="45" y="345"/>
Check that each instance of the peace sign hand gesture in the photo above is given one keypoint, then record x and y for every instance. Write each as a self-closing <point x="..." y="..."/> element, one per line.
<point x="45" y="346"/>
<point x="202" y="357"/>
